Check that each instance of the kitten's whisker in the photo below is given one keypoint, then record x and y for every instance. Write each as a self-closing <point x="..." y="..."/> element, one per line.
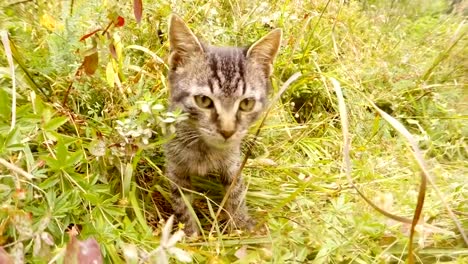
<point x="189" y="139"/>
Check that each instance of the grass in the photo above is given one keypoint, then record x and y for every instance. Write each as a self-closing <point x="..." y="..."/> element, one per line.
<point x="85" y="153"/>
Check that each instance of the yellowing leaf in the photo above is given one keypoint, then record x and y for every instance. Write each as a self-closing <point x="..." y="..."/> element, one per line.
<point x="90" y="63"/>
<point x="118" y="44"/>
<point x="110" y="74"/>
<point x="49" y="22"/>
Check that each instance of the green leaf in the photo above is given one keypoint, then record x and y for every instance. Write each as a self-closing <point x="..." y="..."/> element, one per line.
<point x="114" y="211"/>
<point x="127" y="179"/>
<point x="5" y="190"/>
<point x="49" y="182"/>
<point x="28" y="156"/>
<point x="55" y="123"/>
<point x="92" y="198"/>
<point x="62" y="152"/>
<point x="77" y="179"/>
<point x="138" y="212"/>
<point x="74" y="158"/>
<point x="5" y="105"/>
<point x="13" y="138"/>
<point x="52" y="163"/>
<point x="66" y="204"/>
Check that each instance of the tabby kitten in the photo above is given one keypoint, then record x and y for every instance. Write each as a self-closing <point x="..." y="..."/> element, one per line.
<point x="223" y="90"/>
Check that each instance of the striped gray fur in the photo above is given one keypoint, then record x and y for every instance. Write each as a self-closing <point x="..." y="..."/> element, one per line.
<point x="224" y="90"/>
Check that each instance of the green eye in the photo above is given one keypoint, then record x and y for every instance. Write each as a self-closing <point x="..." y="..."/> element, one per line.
<point x="203" y="101"/>
<point x="247" y="104"/>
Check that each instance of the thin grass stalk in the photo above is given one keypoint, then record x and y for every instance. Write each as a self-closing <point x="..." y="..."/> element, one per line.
<point x="420" y="161"/>
<point x="347" y="168"/>
<point x="6" y="45"/>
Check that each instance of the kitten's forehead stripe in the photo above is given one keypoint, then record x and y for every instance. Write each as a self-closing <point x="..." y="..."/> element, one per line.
<point x="213" y="62"/>
<point x="240" y="65"/>
<point x="227" y="69"/>
<point x="211" y="85"/>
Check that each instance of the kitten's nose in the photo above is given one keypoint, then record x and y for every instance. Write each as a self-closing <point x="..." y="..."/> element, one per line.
<point x="226" y="133"/>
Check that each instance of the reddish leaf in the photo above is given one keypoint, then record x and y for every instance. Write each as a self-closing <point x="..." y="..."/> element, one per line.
<point x="113" y="51"/>
<point x="90" y="252"/>
<point x="90" y="63"/>
<point x="137" y="10"/>
<point x="83" y="252"/>
<point x="119" y="21"/>
<point x="4" y="257"/>
<point x="89" y="34"/>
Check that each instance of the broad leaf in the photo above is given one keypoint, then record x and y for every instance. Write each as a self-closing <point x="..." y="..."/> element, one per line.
<point x="90" y="63"/>
<point x="55" y="123"/>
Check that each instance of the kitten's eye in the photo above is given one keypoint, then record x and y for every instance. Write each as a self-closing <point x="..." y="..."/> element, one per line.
<point x="247" y="104"/>
<point x="203" y="101"/>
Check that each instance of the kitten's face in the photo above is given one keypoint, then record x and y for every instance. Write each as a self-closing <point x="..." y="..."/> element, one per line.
<point x="224" y="89"/>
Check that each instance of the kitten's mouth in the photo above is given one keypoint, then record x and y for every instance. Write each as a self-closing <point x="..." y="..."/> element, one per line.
<point x="219" y="143"/>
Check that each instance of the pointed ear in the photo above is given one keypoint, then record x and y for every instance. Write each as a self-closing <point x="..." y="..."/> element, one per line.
<point x="183" y="42"/>
<point x="265" y="49"/>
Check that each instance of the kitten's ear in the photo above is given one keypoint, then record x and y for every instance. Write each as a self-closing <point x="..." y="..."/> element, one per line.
<point x="183" y="42"/>
<point x="265" y="49"/>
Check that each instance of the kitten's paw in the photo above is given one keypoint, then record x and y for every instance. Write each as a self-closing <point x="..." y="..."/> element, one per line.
<point x="243" y="222"/>
<point x="249" y="224"/>
<point x="190" y="229"/>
